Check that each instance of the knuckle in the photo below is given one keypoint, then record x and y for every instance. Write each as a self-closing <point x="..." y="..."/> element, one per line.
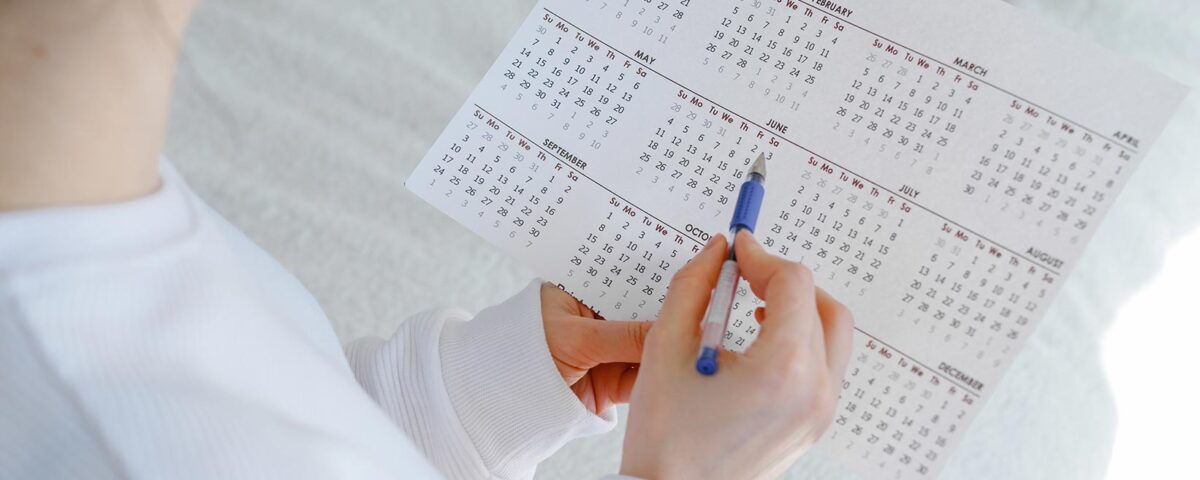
<point x="636" y="334"/>
<point x="655" y="340"/>
<point x="775" y="384"/>
<point x="796" y="367"/>
<point x="842" y="312"/>
<point x="789" y="378"/>
<point x="815" y="390"/>
<point x="802" y="273"/>
<point x="678" y="280"/>
<point x="841" y="315"/>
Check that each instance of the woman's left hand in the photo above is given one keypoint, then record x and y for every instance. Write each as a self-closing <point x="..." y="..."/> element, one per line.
<point x="597" y="358"/>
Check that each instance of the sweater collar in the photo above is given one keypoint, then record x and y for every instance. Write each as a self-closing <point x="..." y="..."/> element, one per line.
<point x="47" y="237"/>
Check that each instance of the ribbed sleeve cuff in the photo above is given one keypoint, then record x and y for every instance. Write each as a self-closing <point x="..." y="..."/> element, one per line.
<point x="506" y="391"/>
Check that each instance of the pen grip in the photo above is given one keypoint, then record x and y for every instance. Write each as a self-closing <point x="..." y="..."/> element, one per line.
<point x="745" y="213"/>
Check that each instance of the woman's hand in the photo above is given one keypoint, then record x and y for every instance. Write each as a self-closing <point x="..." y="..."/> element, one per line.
<point x="597" y="358"/>
<point x="761" y="410"/>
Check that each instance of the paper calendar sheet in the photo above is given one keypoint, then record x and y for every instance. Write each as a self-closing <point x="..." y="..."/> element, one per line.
<point x="939" y="165"/>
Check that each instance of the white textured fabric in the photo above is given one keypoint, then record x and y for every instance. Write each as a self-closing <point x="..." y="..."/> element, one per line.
<point x="495" y="372"/>
<point x="300" y="119"/>
<point x="150" y="339"/>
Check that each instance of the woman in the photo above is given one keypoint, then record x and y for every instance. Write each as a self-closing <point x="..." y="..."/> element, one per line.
<point x="142" y="336"/>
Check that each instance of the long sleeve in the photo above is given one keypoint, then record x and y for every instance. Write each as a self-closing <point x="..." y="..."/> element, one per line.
<point x="481" y="398"/>
<point x="150" y="339"/>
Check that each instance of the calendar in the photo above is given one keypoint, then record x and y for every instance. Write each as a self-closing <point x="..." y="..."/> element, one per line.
<point x="938" y="165"/>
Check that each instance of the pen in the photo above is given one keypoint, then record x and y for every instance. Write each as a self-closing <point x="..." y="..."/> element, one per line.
<point x="716" y="318"/>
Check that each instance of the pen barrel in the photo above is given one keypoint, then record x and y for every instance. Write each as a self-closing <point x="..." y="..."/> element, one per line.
<point x="745" y="213"/>
<point x="716" y="319"/>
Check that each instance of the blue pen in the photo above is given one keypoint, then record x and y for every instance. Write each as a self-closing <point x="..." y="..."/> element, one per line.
<point x="716" y="319"/>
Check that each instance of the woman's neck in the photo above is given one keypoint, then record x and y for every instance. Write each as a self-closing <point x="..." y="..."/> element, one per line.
<point x="85" y="88"/>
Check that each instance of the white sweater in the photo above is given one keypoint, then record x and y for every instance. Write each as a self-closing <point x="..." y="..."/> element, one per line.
<point x="151" y="339"/>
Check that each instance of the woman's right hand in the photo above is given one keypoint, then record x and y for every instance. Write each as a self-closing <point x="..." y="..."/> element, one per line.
<point x="762" y="409"/>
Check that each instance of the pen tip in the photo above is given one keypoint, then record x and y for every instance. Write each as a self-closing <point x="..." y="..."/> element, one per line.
<point x="760" y="166"/>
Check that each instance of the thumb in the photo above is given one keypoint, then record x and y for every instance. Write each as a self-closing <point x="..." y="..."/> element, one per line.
<point x="609" y="341"/>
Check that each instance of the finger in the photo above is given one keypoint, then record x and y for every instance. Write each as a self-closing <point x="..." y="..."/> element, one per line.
<point x="838" y="325"/>
<point x="607" y="341"/>
<point x="555" y="299"/>
<point x="687" y="296"/>
<point x="585" y="390"/>
<point x="587" y="311"/>
<point x="612" y="384"/>
<point x="788" y="290"/>
<point x="624" y="388"/>
<point x="760" y="314"/>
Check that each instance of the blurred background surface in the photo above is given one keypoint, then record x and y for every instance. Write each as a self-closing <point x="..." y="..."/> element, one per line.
<point x="300" y="119"/>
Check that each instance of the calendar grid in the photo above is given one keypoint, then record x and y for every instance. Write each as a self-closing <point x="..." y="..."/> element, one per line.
<point x="698" y="242"/>
<point x="1125" y="145"/>
<point x="806" y="149"/>
<point x="585" y="175"/>
<point x="935" y="371"/>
